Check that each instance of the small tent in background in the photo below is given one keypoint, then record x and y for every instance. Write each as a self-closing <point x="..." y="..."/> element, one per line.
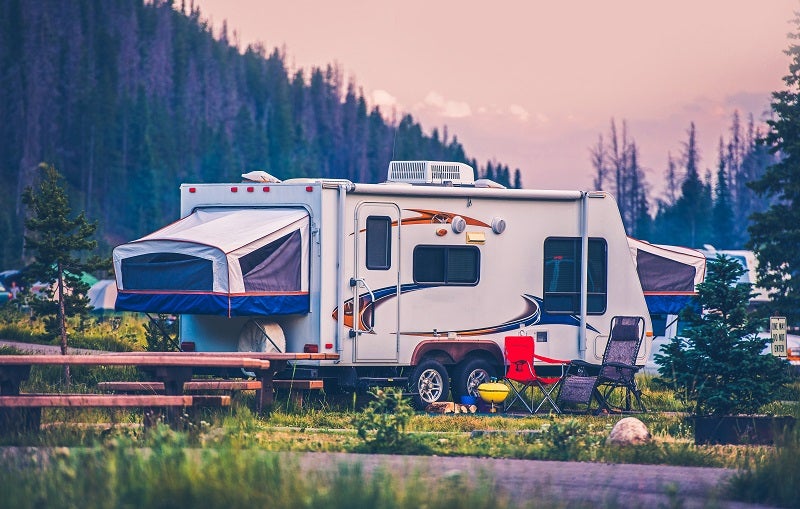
<point x="103" y="295"/>
<point x="669" y="274"/>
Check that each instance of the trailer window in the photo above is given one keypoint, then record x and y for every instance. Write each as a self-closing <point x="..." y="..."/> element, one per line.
<point x="447" y="265"/>
<point x="379" y="243"/>
<point x="562" y="275"/>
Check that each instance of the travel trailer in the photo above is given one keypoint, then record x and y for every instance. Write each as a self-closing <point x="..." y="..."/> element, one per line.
<point x="412" y="282"/>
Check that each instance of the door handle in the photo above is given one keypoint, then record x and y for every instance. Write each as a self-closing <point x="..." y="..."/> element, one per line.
<point x="360" y="282"/>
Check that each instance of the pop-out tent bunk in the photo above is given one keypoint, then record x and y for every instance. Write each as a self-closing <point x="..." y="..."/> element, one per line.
<point x="669" y="275"/>
<point x="219" y="261"/>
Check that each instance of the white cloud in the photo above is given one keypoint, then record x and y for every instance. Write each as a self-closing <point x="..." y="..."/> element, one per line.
<point x="446" y="107"/>
<point x="383" y="99"/>
<point x="519" y="112"/>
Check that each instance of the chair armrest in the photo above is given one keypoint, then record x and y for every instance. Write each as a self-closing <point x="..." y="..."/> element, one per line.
<point x="622" y="365"/>
<point x="550" y="360"/>
<point x="582" y="368"/>
<point x="583" y="364"/>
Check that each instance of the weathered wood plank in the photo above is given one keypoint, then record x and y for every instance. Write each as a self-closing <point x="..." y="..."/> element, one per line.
<point x="137" y="359"/>
<point x="278" y="356"/>
<point x="210" y="385"/>
<point x="94" y="400"/>
<point x="298" y="384"/>
<point x="195" y="385"/>
<point x="215" y="400"/>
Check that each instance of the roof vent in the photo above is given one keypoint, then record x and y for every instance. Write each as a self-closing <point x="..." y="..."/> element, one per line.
<point x="431" y="172"/>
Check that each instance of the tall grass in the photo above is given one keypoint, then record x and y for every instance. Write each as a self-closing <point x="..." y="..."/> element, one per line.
<point x="772" y="478"/>
<point x="171" y="474"/>
<point x="122" y="332"/>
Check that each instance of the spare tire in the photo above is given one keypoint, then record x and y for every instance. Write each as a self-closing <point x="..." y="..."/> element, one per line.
<point x="261" y="335"/>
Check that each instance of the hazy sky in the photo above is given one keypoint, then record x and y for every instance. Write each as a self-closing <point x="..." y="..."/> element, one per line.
<point x="532" y="83"/>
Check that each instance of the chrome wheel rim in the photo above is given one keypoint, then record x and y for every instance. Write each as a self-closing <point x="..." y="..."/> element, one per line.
<point x="474" y="379"/>
<point x="430" y="386"/>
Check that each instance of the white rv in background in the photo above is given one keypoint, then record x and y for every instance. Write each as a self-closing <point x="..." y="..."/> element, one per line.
<point x="415" y="281"/>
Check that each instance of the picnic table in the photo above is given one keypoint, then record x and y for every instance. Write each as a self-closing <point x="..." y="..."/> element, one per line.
<point x="172" y="370"/>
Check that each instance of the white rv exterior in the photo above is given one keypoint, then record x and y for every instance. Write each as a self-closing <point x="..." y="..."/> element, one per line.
<point x="419" y="279"/>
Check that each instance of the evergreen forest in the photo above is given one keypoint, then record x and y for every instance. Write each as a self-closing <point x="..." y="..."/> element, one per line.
<point x="130" y="98"/>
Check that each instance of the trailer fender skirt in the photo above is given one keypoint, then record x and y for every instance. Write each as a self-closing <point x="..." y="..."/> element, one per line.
<point x="214" y="304"/>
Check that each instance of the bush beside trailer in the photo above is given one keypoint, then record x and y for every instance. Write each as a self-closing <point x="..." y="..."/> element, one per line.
<point x="415" y="281"/>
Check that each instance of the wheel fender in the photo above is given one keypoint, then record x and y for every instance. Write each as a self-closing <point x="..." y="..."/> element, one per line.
<point x="452" y="352"/>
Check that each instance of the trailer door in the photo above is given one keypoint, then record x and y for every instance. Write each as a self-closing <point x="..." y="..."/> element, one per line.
<point x="376" y="282"/>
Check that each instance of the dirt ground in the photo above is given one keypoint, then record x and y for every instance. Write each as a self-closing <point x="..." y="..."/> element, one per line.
<point x="620" y="485"/>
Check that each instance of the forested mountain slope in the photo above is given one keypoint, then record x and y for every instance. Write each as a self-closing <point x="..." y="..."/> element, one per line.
<point x="130" y="98"/>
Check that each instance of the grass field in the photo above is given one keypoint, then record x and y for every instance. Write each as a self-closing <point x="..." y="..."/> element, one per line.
<point x="107" y="459"/>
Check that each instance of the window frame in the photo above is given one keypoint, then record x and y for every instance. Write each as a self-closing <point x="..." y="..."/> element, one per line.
<point x="387" y="244"/>
<point x="593" y="297"/>
<point x="447" y="249"/>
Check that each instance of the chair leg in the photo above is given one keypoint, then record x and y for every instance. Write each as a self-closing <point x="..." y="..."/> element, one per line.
<point x="547" y="398"/>
<point x="637" y="393"/>
<point x="519" y="395"/>
<point x="603" y="396"/>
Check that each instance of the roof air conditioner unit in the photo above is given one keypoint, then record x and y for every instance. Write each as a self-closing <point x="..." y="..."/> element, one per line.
<point x="431" y="172"/>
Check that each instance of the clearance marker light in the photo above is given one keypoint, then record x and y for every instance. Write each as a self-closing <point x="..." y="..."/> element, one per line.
<point x="234" y="189"/>
<point x="192" y="190"/>
<point x="266" y="189"/>
<point x="250" y="189"/>
<point x="309" y="189"/>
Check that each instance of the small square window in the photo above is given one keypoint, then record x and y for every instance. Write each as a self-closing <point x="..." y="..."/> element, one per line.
<point x="447" y="265"/>
<point x="379" y="243"/>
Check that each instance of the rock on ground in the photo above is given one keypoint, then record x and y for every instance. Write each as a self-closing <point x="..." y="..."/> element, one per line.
<point x="629" y="431"/>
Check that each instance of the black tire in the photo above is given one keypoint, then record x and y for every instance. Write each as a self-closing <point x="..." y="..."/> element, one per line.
<point x="428" y="384"/>
<point x="469" y="374"/>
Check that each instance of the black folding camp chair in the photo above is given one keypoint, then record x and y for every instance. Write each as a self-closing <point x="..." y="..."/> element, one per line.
<point x="585" y="382"/>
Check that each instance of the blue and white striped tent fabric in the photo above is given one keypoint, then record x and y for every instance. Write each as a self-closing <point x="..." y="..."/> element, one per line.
<point x="219" y="261"/>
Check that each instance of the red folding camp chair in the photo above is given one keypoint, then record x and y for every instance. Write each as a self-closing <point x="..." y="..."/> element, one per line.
<point x="520" y="356"/>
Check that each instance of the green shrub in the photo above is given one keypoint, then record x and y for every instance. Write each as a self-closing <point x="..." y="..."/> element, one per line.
<point x="570" y="439"/>
<point x="382" y="425"/>
<point x="718" y="366"/>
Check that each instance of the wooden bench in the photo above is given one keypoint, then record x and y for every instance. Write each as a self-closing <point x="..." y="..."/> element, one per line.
<point x="171" y="370"/>
<point x="111" y="400"/>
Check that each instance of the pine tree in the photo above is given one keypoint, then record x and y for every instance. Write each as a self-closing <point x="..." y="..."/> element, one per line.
<point x="717" y="363"/>
<point x="775" y="233"/>
<point x="722" y="212"/>
<point x="694" y="206"/>
<point x="58" y="243"/>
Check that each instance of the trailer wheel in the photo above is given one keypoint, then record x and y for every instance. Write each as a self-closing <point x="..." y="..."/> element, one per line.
<point x="470" y="374"/>
<point x="428" y="383"/>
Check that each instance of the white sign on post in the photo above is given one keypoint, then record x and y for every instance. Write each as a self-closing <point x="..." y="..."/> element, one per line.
<point x="777" y="329"/>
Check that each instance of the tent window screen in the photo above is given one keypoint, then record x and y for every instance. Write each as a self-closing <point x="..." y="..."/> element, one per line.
<point x="562" y="275"/>
<point x="167" y="271"/>
<point x="662" y="274"/>
<point x="379" y="243"/>
<point x="447" y="265"/>
<point x="274" y="267"/>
